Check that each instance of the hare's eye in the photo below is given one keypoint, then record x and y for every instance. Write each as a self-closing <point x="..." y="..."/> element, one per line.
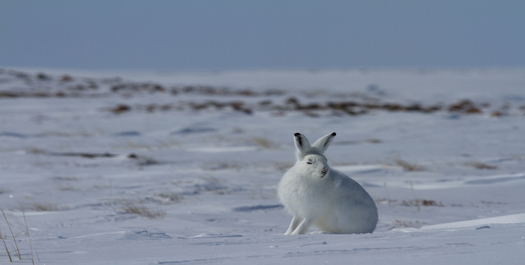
<point x="309" y="162"/>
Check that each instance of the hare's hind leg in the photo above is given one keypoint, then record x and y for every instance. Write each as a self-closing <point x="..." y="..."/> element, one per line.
<point x="295" y="222"/>
<point x="303" y="227"/>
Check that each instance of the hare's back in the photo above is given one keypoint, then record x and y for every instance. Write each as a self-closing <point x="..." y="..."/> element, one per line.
<point x="351" y="191"/>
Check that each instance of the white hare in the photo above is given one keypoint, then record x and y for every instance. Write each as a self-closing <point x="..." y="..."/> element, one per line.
<point x="316" y="194"/>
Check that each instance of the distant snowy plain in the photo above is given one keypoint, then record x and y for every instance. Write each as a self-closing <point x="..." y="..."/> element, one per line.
<point x="181" y="168"/>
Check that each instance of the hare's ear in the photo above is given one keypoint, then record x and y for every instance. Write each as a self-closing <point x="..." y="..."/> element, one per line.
<point x="322" y="143"/>
<point x="302" y="146"/>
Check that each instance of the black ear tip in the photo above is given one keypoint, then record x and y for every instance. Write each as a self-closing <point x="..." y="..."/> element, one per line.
<point x="333" y="134"/>
<point x="296" y="134"/>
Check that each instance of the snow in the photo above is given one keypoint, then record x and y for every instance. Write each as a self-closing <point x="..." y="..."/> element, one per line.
<point x="482" y="223"/>
<point x="168" y="179"/>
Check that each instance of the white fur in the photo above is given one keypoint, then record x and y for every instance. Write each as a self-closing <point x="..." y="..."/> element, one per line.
<point x="316" y="194"/>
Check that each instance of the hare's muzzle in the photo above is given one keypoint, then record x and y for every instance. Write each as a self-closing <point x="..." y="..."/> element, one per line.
<point x="323" y="172"/>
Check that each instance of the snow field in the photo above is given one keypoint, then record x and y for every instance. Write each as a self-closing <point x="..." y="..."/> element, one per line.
<point x="171" y="181"/>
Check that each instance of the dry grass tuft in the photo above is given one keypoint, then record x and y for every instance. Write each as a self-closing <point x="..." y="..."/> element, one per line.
<point x="264" y="143"/>
<point x="36" y="151"/>
<point x="67" y="188"/>
<point x="374" y="141"/>
<point x="6" y="249"/>
<point x="143" y="211"/>
<point x="5" y="245"/>
<point x="12" y="234"/>
<point x="479" y="165"/>
<point x="61" y="178"/>
<point x="418" y="202"/>
<point x="409" y="167"/>
<point x="402" y="223"/>
<point x="43" y="207"/>
<point x="170" y="198"/>
<point x="282" y="166"/>
<point x="222" y="166"/>
<point x="29" y="237"/>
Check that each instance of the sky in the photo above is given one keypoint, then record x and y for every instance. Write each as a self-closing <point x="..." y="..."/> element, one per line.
<point x="256" y="35"/>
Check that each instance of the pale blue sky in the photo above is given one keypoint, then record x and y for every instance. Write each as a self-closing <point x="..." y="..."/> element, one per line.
<point x="236" y="35"/>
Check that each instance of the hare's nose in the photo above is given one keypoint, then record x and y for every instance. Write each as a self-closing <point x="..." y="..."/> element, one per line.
<point x="324" y="171"/>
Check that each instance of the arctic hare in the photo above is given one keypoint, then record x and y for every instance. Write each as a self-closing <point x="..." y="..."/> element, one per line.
<point x="315" y="193"/>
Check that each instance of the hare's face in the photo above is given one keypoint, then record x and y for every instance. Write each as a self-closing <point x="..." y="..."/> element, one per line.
<point x="315" y="165"/>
